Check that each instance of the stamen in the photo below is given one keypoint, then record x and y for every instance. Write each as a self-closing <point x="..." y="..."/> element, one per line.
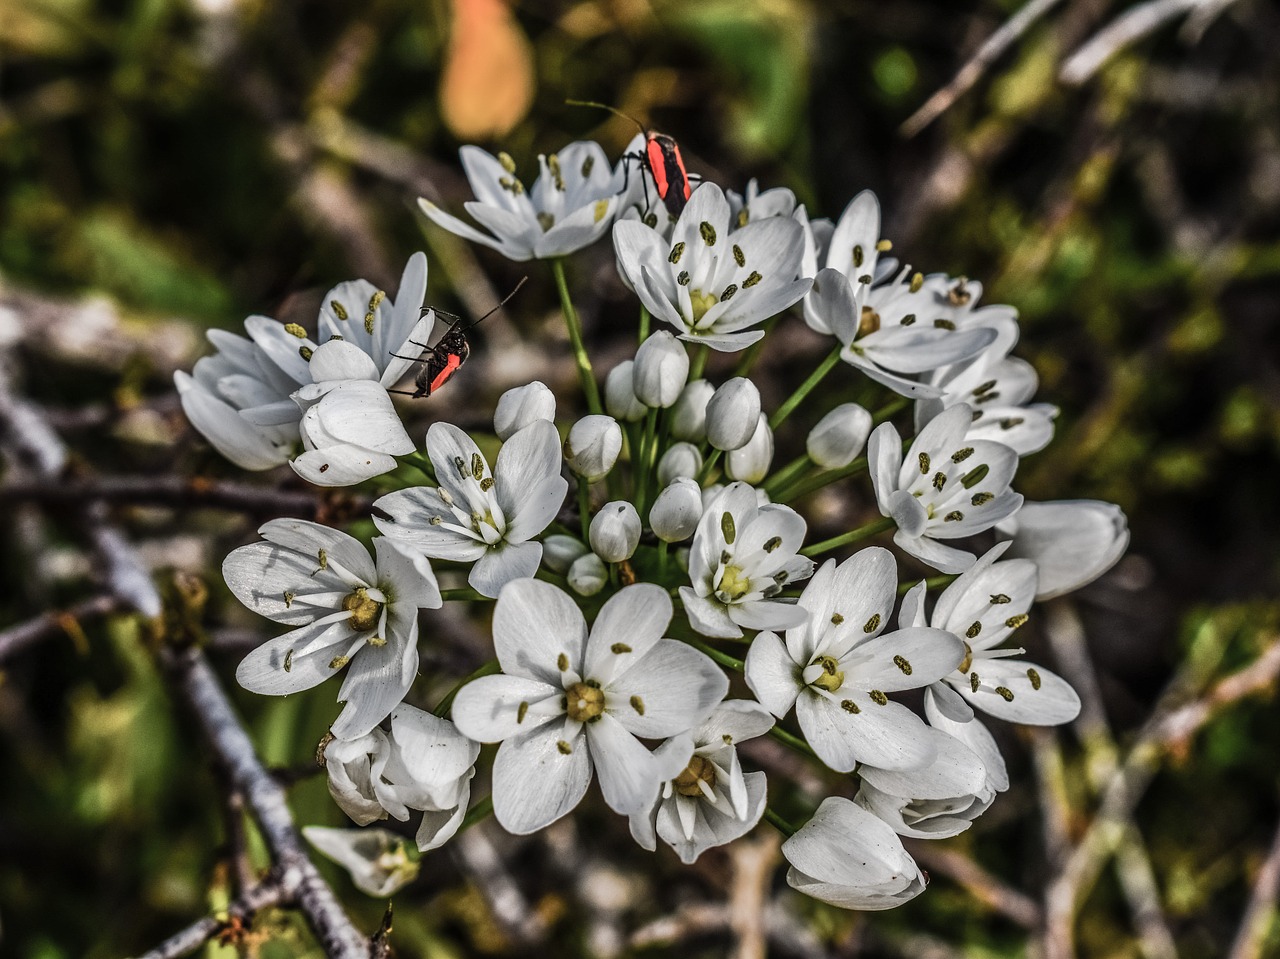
<point x="982" y="499"/>
<point x="771" y="544"/>
<point x="975" y="476"/>
<point x="739" y="257"/>
<point x="925" y="464"/>
<point x="1005" y="693"/>
<point x="477" y="466"/>
<point x="917" y="281"/>
<point x="677" y="251"/>
<point x="973" y="631"/>
<point x="884" y="246"/>
<point x="902" y="664"/>
<point x="637" y="704"/>
<point x="959" y="456"/>
<point x="306" y="353"/>
<point x="508" y="164"/>
<point x="849" y="706"/>
<point x="521" y="711"/>
<point x="1017" y="622"/>
<point x="879" y="698"/>
<point x="999" y="599"/>
<point x="909" y="319"/>
<point x="857" y="254"/>
<point x="339" y="310"/>
<point x="953" y="517"/>
<point x="836" y="619"/>
<point x="288" y="661"/>
<point x="728" y="293"/>
<point x="683" y="278"/>
<point x="587" y="166"/>
<point x="1034" y="677"/>
<point x="288" y="599"/>
<point x="752" y="280"/>
<point x="872" y="624"/>
<point x="486" y="484"/>
<point x="339" y="661"/>
<point x="293" y="329"/>
<point x="939" y="480"/>
<point x="564" y="747"/>
<point x="553" y="164"/>
<point x="619" y="648"/>
<point x="974" y="682"/>
<point x="562" y="662"/>
<point x="944" y="324"/>
<point x="727" y="529"/>
<point x="708" y="233"/>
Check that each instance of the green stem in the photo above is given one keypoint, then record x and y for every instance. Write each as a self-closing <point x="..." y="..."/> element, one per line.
<point x="644" y="323"/>
<point x="805" y="388"/>
<point x="589" y="388"/>
<point x="643" y="468"/>
<point x="779" y="823"/>
<point x="792" y="741"/>
<point x="889" y="409"/>
<point x="933" y="582"/>
<point x="698" y="362"/>
<point x="480" y="811"/>
<point x="787" y="474"/>
<point x="584" y="507"/>
<point x="705" y="473"/>
<point x="824" y="478"/>
<point x="724" y="659"/>
<point x="663" y="551"/>
<point x="853" y="536"/>
<point x="421" y="463"/>
<point x="465" y="594"/>
<point x="488" y="669"/>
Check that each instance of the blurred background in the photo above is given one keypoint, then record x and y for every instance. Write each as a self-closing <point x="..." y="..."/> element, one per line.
<point x="169" y="166"/>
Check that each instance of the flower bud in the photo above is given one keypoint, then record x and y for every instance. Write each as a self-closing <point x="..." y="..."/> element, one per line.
<point x="587" y="575"/>
<point x="839" y="436"/>
<point x="689" y="415"/>
<point x="375" y="858"/>
<point x="519" y="407"/>
<point x="619" y="398"/>
<point x="559" y="551"/>
<point x="683" y="459"/>
<point x="615" y="531"/>
<point x="732" y="414"/>
<point x="592" y="446"/>
<point x="661" y="370"/>
<point x="676" y="511"/>
<point x="750" y="463"/>
<point x="1072" y="542"/>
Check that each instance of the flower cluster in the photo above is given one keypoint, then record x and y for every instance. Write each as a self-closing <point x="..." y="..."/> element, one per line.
<point x="648" y="555"/>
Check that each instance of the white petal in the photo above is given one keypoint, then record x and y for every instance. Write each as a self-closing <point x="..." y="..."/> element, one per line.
<point x="889" y="736"/>
<point x="772" y="674"/>
<point x="438" y="827"/>
<point x="627" y="770"/>
<point x="671" y="689"/>
<point x="535" y="781"/>
<point x="488" y="709"/>
<point x="342" y="465"/>
<point x="1038" y="697"/>
<point x="956" y="771"/>
<point x="376" y="683"/>
<point x="707" y="616"/>
<point x="503" y="564"/>
<point x="263" y="670"/>
<point x="534" y="624"/>
<point x="627" y="627"/>
<point x="410" y="578"/>
<point x="340" y="360"/>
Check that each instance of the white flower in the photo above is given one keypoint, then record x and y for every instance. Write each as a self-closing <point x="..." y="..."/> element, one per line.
<point x="566" y="703"/>
<point x="587" y="575"/>
<point x="836" y="668"/>
<point x="984" y="607"/>
<point x="570" y="205"/>
<point x="689" y="415"/>
<point x="682" y="460"/>
<point x="592" y="446"/>
<point x="710" y="285"/>
<point x="375" y="858"/>
<point x="889" y="332"/>
<point x="707" y="800"/>
<point x="946" y="487"/>
<point x="779" y="201"/>
<point x="743" y="555"/>
<point x="559" y="551"/>
<point x="999" y="389"/>
<point x="423" y="763"/>
<point x="733" y="414"/>
<point x="350" y="429"/>
<point x="480" y="516"/>
<point x="839" y="436"/>
<point x="344" y="609"/>
<point x="1072" y="542"/>
<point x="847" y="857"/>
<point x="750" y="462"/>
<point x="615" y="531"/>
<point x="261" y="371"/>
<point x="390" y="332"/>
<point x="677" y="510"/>
<point x="661" y="370"/>
<point x="935" y="802"/>
<point x="519" y="407"/>
<point x="620" y="395"/>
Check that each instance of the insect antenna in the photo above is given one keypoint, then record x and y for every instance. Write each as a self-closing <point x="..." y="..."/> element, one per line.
<point x="616" y="112"/>
<point x="505" y="300"/>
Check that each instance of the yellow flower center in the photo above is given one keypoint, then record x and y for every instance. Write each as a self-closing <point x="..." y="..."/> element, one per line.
<point x="584" y="702"/>
<point x="832" y="677"/>
<point x="698" y="771"/>
<point x="700" y="303"/>
<point x="365" y="612"/>
<point x="734" y="584"/>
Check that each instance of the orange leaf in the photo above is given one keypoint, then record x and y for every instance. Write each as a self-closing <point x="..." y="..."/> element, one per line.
<point x="488" y="75"/>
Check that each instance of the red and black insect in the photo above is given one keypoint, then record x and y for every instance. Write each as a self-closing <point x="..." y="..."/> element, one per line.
<point x="661" y="157"/>
<point x="441" y="361"/>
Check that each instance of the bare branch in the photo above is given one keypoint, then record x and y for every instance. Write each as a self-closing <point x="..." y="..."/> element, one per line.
<point x="267" y="893"/>
<point x="972" y="71"/>
<point x="17" y="638"/>
<point x="977" y="881"/>
<point x="1252" y="936"/>
<point x="195" y="680"/>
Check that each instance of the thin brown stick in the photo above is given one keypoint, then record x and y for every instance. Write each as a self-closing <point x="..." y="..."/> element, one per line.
<point x="194" y="679"/>
<point x="982" y="885"/>
<point x="265" y="894"/>
<point x="17" y="638"/>
<point x="977" y="65"/>
<point x="1251" y="937"/>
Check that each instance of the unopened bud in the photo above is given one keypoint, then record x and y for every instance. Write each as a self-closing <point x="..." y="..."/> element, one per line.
<point x="732" y="414"/>
<point x="615" y="531"/>
<point x="676" y="511"/>
<point x="750" y="463"/>
<point x="587" y="575"/>
<point x="593" y="446"/>
<point x="839" y="436"/>
<point x="559" y="551"/>
<point x="619" y="397"/>
<point x="661" y="370"/>
<point x="689" y="415"/>
<point x="682" y="459"/>
<point x="519" y="407"/>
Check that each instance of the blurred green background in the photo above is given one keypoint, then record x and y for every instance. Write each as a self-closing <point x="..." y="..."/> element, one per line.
<point x="172" y="165"/>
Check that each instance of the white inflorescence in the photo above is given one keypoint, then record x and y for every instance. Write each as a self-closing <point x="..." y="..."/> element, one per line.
<point x="643" y="550"/>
